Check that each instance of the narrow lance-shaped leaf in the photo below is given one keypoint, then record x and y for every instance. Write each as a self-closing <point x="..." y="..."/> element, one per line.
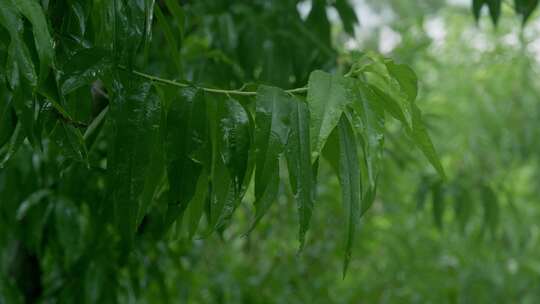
<point x="327" y="98"/>
<point x="408" y="83"/>
<point x="477" y="8"/>
<point x="342" y="153"/>
<point x="372" y="120"/>
<point x="221" y="184"/>
<point x="134" y="118"/>
<point x="234" y="147"/>
<point x="185" y="131"/>
<point x="43" y="40"/>
<point x="19" y="62"/>
<point x="82" y="68"/>
<point x="196" y="206"/>
<point x="494" y="10"/>
<point x="347" y="15"/>
<point x="298" y="154"/>
<point x="271" y="133"/>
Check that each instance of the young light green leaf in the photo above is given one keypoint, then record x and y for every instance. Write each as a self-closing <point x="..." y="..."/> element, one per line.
<point x="298" y="154"/>
<point x="327" y="98"/>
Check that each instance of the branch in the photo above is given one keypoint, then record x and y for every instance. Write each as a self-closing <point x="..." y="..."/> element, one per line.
<point x="210" y="90"/>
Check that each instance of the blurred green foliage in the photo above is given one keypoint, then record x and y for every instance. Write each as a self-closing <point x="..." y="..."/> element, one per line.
<point x="472" y="238"/>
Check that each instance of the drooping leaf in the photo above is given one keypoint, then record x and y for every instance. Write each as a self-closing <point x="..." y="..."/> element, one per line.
<point x="372" y="128"/>
<point x="172" y="43"/>
<point x="83" y="67"/>
<point x="494" y="10"/>
<point x="318" y="21"/>
<point x="342" y="153"/>
<point x="423" y="141"/>
<point x="327" y="98"/>
<point x="271" y="133"/>
<point x="15" y="142"/>
<point x="298" y="154"/>
<point x="477" y="8"/>
<point x="8" y="120"/>
<point x="25" y="107"/>
<point x="134" y="117"/>
<point x="347" y="15"/>
<point x="19" y="62"/>
<point x="233" y="141"/>
<point x="132" y="27"/>
<point x="185" y="132"/>
<point x="43" y="40"/>
<point x="525" y="8"/>
<point x="196" y="207"/>
<point x="408" y="83"/>
<point x="70" y="140"/>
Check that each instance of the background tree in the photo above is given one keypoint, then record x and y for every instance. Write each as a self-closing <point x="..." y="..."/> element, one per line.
<point x="132" y="130"/>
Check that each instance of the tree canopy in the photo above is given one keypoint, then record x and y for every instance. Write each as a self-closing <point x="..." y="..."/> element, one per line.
<point x="154" y="150"/>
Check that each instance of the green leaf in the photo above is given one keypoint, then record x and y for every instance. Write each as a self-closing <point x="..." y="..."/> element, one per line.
<point x="231" y="142"/>
<point x="178" y="14"/>
<point x="32" y="200"/>
<point x="347" y="15"/>
<point x="83" y="67"/>
<point x="196" y="206"/>
<point x="421" y="137"/>
<point x="408" y="83"/>
<point x="271" y="134"/>
<point x="371" y="129"/>
<point x="525" y="8"/>
<point x="298" y="154"/>
<point x="24" y="105"/>
<point x="133" y="22"/>
<point x="477" y="8"/>
<point x="17" y="139"/>
<point x="342" y="153"/>
<point x="8" y="120"/>
<point x="172" y="43"/>
<point x="185" y="131"/>
<point x="494" y="10"/>
<point x="327" y="98"/>
<point x="235" y="138"/>
<point x="19" y="62"/>
<point x="134" y="117"/>
<point x="317" y="21"/>
<point x="70" y="140"/>
<point x="43" y="40"/>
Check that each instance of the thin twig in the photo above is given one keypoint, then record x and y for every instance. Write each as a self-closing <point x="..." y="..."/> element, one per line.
<point x="206" y="89"/>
